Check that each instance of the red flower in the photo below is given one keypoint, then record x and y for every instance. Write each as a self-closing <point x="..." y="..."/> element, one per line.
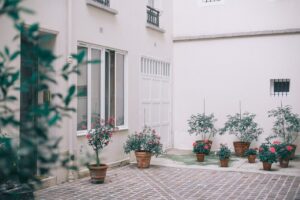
<point x="255" y="148"/>
<point x="194" y="144"/>
<point x="289" y="148"/>
<point x="205" y="141"/>
<point x="88" y="136"/>
<point x="206" y="147"/>
<point x="276" y="142"/>
<point x="272" y="149"/>
<point x="260" y="149"/>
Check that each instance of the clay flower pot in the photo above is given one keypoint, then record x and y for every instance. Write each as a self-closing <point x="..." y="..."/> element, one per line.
<point x="200" y="157"/>
<point x="143" y="159"/>
<point x="224" y="163"/>
<point x="251" y="158"/>
<point x="241" y="147"/>
<point x="284" y="163"/>
<point x="98" y="173"/>
<point x="208" y="142"/>
<point x="267" y="166"/>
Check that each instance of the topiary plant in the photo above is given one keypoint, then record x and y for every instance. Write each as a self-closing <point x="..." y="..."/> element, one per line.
<point x="202" y="125"/>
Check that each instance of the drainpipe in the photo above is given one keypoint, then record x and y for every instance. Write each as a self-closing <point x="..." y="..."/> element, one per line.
<point x="71" y="176"/>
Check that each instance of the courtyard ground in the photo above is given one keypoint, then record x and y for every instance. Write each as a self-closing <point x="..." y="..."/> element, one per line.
<point x="178" y="176"/>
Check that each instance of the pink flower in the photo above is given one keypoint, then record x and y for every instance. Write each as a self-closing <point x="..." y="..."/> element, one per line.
<point x="206" y="141"/>
<point x="88" y="136"/>
<point x="276" y="142"/>
<point x="153" y="131"/>
<point x="272" y="149"/>
<point x="194" y="144"/>
<point x="206" y="147"/>
<point x="289" y="148"/>
<point x="260" y="149"/>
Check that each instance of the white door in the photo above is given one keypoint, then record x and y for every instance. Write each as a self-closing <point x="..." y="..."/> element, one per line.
<point x="155" y="98"/>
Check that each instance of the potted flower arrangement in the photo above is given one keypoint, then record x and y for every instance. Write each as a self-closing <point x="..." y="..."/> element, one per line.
<point x="244" y="128"/>
<point x="284" y="152"/>
<point x="224" y="154"/>
<point x="203" y="125"/>
<point x="267" y="155"/>
<point x="144" y="144"/>
<point x="99" y="137"/>
<point x="251" y="154"/>
<point x="201" y="149"/>
<point x="286" y="125"/>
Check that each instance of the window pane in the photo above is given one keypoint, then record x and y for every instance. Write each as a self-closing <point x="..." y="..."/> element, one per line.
<point x="82" y="94"/>
<point x="95" y="87"/>
<point x="109" y="84"/>
<point x="119" y="89"/>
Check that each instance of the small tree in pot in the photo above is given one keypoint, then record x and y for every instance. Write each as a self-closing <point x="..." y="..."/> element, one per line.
<point x="144" y="144"/>
<point x="201" y="149"/>
<point x="203" y="125"/>
<point x="286" y="125"/>
<point x="224" y="154"/>
<point x="243" y="127"/>
<point x="99" y="137"/>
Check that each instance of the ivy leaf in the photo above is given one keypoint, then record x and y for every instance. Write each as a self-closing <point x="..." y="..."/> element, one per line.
<point x="14" y="55"/>
<point x="71" y="92"/>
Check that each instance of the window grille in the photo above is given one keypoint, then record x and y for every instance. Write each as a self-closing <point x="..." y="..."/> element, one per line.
<point x="103" y="2"/>
<point x="280" y="87"/>
<point x="152" y="67"/>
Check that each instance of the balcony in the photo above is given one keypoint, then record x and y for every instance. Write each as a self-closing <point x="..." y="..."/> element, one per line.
<point x="152" y="16"/>
<point x="103" y="2"/>
<point x="103" y="5"/>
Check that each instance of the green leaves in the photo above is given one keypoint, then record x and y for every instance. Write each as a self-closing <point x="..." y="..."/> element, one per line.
<point x="71" y="93"/>
<point x="203" y="125"/>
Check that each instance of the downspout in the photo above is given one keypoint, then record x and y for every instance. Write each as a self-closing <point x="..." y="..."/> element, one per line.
<point x="71" y="176"/>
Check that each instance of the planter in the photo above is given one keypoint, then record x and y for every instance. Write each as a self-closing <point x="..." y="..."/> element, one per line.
<point x="200" y="157"/>
<point x="284" y="163"/>
<point x="241" y="147"/>
<point x="294" y="151"/>
<point x="251" y="158"/>
<point x="143" y="159"/>
<point x="18" y="193"/>
<point x="224" y="163"/>
<point x="267" y="166"/>
<point x="98" y="173"/>
<point x="209" y="142"/>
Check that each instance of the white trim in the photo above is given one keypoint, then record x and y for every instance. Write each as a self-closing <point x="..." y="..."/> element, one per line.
<point x="102" y="7"/>
<point x="155" y="28"/>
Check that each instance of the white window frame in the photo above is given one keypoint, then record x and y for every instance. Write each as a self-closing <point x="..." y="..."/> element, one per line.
<point x="103" y="49"/>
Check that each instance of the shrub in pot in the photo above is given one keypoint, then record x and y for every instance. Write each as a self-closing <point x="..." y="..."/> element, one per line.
<point x="251" y="154"/>
<point x="286" y="125"/>
<point x="224" y="154"/>
<point x="144" y="144"/>
<point x="99" y="137"/>
<point x="284" y="153"/>
<point x="267" y="155"/>
<point x="244" y="128"/>
<point x="203" y="125"/>
<point x="201" y="149"/>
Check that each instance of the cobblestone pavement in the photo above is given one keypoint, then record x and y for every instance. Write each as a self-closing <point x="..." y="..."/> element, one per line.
<point x="178" y="183"/>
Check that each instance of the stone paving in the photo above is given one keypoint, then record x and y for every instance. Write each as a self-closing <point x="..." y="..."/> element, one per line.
<point x="160" y="182"/>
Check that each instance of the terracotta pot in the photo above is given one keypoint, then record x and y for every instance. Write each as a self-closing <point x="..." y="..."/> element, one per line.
<point x="240" y="148"/>
<point x="200" y="157"/>
<point x="251" y="158"/>
<point x="98" y="173"/>
<point x="267" y="166"/>
<point x="294" y="151"/>
<point x="143" y="159"/>
<point x="284" y="163"/>
<point x="209" y="142"/>
<point x="224" y="163"/>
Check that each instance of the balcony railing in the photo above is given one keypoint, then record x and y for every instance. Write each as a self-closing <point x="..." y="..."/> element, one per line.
<point x="152" y="16"/>
<point x="103" y="2"/>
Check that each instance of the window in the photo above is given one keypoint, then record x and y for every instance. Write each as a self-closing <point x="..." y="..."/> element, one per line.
<point x="103" y="2"/>
<point x="205" y="3"/>
<point x="280" y="87"/>
<point x="101" y="88"/>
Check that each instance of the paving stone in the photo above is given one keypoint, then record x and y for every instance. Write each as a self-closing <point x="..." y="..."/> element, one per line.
<point x="174" y="183"/>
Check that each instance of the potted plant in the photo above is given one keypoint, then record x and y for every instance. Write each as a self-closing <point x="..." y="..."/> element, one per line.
<point x="244" y="128"/>
<point x="201" y="149"/>
<point x="284" y="152"/>
<point x="203" y="125"/>
<point x="144" y="144"/>
<point x="224" y="154"/>
<point x="267" y="155"/>
<point x="286" y="125"/>
<point x="251" y="154"/>
<point x="99" y="137"/>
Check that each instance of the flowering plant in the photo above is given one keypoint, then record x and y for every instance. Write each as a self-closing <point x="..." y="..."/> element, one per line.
<point x="147" y="141"/>
<point x="203" y="125"/>
<point x="100" y="136"/>
<point x="284" y="151"/>
<point x="224" y="152"/>
<point x="201" y="148"/>
<point x="251" y="151"/>
<point x="242" y="126"/>
<point x="267" y="153"/>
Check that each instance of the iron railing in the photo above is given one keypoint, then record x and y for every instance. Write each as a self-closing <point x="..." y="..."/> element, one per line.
<point x="152" y="16"/>
<point x="103" y="2"/>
